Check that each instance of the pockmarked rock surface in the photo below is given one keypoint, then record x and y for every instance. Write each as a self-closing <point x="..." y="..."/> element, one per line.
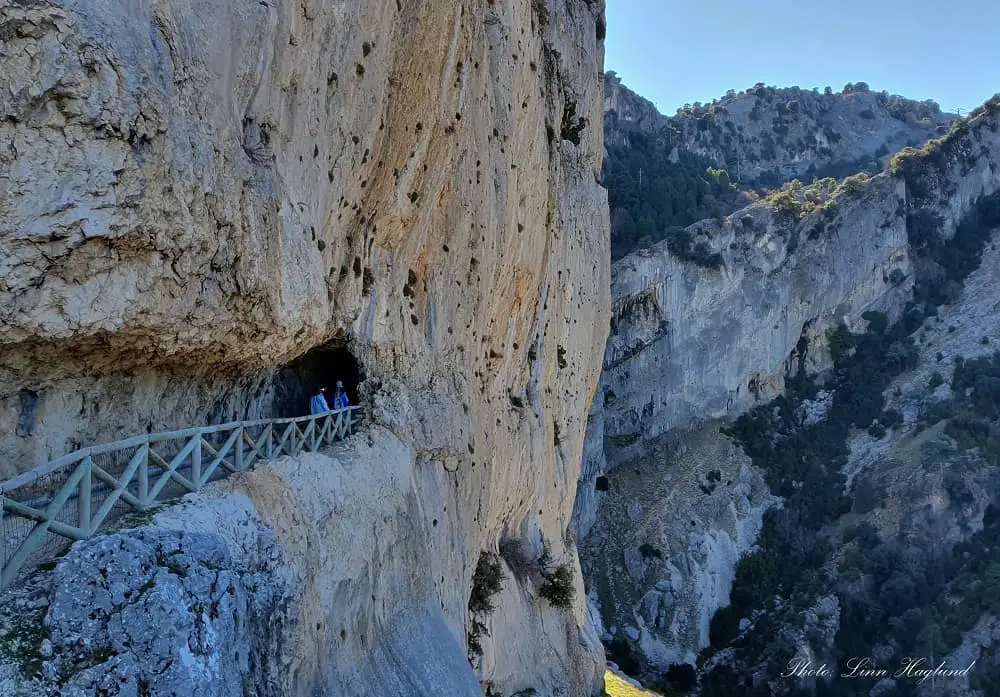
<point x="193" y="195"/>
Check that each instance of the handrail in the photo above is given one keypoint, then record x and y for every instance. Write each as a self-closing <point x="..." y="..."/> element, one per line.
<point x="148" y="478"/>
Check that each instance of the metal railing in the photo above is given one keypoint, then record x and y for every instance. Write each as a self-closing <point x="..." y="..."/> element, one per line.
<point x="72" y="496"/>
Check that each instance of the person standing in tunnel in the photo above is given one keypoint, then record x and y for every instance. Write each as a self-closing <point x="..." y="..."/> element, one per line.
<point x="318" y="403"/>
<point x="340" y="400"/>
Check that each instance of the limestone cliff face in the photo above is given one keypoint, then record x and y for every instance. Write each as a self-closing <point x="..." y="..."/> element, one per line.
<point x="713" y="330"/>
<point x="662" y="553"/>
<point x="339" y="573"/>
<point x="707" y="342"/>
<point x="626" y="111"/>
<point x="192" y="195"/>
<point x="708" y="334"/>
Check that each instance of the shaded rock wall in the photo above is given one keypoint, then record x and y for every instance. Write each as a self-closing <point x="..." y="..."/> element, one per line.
<point x="662" y="554"/>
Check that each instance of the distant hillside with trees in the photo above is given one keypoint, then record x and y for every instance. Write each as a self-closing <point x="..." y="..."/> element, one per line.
<point x="664" y="173"/>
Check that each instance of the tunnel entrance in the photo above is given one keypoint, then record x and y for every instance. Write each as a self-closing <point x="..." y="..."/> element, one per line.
<point x="322" y="366"/>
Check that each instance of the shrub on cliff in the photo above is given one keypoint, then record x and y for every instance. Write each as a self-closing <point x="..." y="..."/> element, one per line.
<point x="990" y="106"/>
<point x="855" y="184"/>
<point x="541" y="10"/>
<point x="682" y="245"/>
<point x="786" y="205"/>
<point x="486" y="583"/>
<point x="558" y="588"/>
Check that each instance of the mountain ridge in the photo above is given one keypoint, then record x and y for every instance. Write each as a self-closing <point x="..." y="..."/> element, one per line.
<point x="665" y="172"/>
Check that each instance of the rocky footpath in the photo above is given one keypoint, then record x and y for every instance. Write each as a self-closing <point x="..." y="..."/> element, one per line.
<point x="713" y="325"/>
<point x="330" y="573"/>
<point x="192" y="197"/>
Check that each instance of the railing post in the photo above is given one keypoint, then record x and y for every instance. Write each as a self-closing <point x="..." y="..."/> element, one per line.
<point x="240" y="435"/>
<point x="144" y="474"/>
<point x="196" y="462"/>
<point x="83" y="496"/>
<point x="3" y="539"/>
<point x="318" y="430"/>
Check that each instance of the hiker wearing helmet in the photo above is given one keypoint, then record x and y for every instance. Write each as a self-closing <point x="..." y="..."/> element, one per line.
<point x="340" y="400"/>
<point x="318" y="403"/>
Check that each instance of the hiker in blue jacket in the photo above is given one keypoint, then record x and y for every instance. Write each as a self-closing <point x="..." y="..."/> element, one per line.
<point x="318" y="403"/>
<point x="340" y="397"/>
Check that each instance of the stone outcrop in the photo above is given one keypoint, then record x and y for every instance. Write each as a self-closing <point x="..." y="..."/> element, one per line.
<point x="978" y="650"/>
<point x="709" y="334"/>
<point x="625" y="111"/>
<point x="916" y="482"/>
<point x="193" y="196"/>
<point x="714" y="330"/>
<point x="708" y="342"/>
<point x="672" y="525"/>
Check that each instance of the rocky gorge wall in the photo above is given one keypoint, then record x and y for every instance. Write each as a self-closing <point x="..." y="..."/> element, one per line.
<point x="711" y="333"/>
<point x="194" y="195"/>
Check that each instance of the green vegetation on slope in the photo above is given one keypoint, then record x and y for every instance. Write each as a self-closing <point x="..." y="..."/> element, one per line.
<point x="657" y="185"/>
<point x="921" y="167"/>
<point x="487" y="581"/>
<point x="911" y="594"/>
<point x="667" y="196"/>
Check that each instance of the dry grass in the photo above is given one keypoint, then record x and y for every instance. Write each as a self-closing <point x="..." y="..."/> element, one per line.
<point x="615" y="686"/>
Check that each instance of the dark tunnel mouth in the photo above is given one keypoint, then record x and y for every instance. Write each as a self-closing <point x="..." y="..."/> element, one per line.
<point x="321" y="366"/>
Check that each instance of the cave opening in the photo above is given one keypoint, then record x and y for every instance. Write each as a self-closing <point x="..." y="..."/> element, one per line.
<point x="321" y="366"/>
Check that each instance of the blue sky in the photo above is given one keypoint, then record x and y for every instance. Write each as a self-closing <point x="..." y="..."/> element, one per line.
<point x="674" y="52"/>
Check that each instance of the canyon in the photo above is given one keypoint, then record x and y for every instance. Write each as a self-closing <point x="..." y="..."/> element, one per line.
<point x="729" y="315"/>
